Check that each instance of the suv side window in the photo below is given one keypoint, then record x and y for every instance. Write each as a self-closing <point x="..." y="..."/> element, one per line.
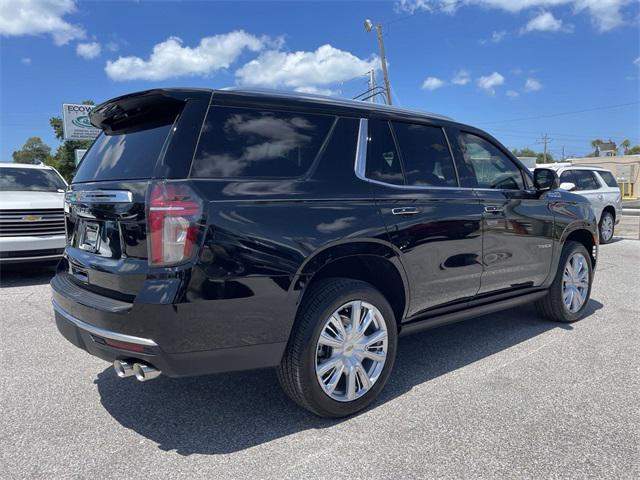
<point x="245" y="142"/>
<point x="383" y="161"/>
<point x="585" y="180"/>
<point x="568" y="177"/>
<point x="488" y="165"/>
<point x="425" y="155"/>
<point x="608" y="178"/>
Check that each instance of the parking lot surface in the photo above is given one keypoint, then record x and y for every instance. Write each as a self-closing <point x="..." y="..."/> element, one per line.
<point x="505" y="395"/>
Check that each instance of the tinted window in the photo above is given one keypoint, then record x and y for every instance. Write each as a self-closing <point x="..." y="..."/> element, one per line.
<point x="30" y="179"/>
<point x="488" y="165"/>
<point x="124" y="156"/>
<point x="567" y="177"/>
<point x="383" y="162"/>
<point x="425" y="155"/>
<point x="585" y="180"/>
<point x="240" y="142"/>
<point x="608" y="178"/>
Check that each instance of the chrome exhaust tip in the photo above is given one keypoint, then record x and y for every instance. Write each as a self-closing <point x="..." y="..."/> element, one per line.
<point x="144" y="372"/>
<point x="123" y="369"/>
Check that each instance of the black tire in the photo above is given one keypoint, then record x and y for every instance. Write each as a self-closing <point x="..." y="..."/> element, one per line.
<point x="552" y="305"/>
<point x="606" y="217"/>
<point x="297" y="371"/>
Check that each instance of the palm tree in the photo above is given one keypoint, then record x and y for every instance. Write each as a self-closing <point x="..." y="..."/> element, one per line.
<point x="596" y="146"/>
<point x="625" y="144"/>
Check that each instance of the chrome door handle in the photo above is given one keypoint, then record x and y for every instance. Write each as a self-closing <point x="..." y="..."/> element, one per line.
<point x="405" y="211"/>
<point x="493" y="209"/>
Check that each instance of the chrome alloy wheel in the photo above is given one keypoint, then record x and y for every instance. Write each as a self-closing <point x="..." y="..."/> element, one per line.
<point x="606" y="229"/>
<point x="575" y="282"/>
<point x="351" y="351"/>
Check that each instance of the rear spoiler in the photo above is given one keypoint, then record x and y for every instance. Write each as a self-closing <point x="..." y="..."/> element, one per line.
<point x="142" y="110"/>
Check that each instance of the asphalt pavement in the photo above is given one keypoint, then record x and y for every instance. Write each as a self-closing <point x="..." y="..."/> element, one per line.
<point x="508" y="395"/>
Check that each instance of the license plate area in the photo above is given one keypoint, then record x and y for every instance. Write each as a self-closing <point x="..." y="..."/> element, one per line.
<point x="89" y="237"/>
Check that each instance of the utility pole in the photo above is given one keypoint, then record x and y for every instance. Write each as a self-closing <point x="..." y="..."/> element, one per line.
<point x="546" y="140"/>
<point x="372" y="84"/>
<point x="368" y="26"/>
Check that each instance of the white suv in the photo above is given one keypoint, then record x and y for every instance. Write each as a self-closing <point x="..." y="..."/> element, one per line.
<point x="31" y="213"/>
<point x="599" y="186"/>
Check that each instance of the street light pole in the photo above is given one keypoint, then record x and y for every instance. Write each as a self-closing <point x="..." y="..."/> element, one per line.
<point x="368" y="25"/>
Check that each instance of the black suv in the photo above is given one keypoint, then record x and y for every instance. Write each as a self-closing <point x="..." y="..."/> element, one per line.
<point x="211" y="231"/>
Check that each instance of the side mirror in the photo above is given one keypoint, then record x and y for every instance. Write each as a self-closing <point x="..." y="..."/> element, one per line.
<point x="568" y="186"/>
<point x="545" y="179"/>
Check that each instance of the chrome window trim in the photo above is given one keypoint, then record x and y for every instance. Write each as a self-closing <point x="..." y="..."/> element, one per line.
<point x="101" y="332"/>
<point x="361" y="163"/>
<point x="98" y="196"/>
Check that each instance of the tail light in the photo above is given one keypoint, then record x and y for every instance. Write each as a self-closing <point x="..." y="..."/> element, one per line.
<point x="173" y="213"/>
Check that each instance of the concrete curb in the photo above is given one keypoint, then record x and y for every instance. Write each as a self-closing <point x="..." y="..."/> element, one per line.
<point x="631" y="212"/>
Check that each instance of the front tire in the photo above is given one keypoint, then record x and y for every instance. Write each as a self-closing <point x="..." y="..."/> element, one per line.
<point x="341" y="350"/>
<point x="569" y="293"/>
<point x="606" y="227"/>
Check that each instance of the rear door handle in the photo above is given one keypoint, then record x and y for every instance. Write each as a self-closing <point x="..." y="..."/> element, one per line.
<point x="405" y="211"/>
<point x="493" y="209"/>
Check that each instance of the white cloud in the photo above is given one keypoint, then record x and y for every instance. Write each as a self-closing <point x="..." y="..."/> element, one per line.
<point x="532" y="85"/>
<point x="512" y="93"/>
<point x="605" y="14"/>
<point x="496" y="37"/>
<point x="544" y="22"/>
<point x="490" y="82"/>
<point x="88" y="50"/>
<point x="171" y="59"/>
<point x="432" y="83"/>
<point x="316" y="90"/>
<point x="636" y="61"/>
<point x="39" y="17"/>
<point x="26" y="60"/>
<point x="304" y="71"/>
<point x="112" y="46"/>
<point x="461" y="77"/>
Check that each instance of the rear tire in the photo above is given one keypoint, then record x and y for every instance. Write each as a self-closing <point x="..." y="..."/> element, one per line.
<point x="606" y="227"/>
<point x="345" y="370"/>
<point x="569" y="293"/>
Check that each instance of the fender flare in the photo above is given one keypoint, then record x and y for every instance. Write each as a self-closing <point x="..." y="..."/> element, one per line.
<point x="343" y="249"/>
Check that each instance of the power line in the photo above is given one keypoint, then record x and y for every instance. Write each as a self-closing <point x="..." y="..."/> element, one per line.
<point x="565" y="135"/>
<point x="605" y="107"/>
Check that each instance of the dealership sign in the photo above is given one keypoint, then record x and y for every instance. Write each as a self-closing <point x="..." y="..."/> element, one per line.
<point x="75" y="121"/>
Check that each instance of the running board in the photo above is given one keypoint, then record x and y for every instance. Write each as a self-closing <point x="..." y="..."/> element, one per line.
<point x="477" y="311"/>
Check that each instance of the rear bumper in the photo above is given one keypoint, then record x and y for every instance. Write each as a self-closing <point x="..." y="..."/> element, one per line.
<point x="86" y="334"/>
<point x="31" y="249"/>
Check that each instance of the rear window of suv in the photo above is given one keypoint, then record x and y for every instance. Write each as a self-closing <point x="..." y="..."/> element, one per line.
<point x="608" y="178"/>
<point x="252" y="143"/>
<point x="123" y="156"/>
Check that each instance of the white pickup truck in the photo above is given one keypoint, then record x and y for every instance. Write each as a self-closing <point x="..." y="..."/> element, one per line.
<point x="31" y="213"/>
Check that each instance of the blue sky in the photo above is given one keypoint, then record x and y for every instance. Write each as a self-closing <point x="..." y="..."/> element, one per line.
<point x="514" y="67"/>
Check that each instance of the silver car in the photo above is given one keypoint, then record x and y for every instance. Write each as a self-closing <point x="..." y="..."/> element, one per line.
<point x="599" y="186"/>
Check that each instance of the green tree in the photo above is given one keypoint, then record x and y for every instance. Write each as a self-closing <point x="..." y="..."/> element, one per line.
<point x="64" y="159"/>
<point x="635" y="150"/>
<point x="625" y="144"/>
<point x="34" y="151"/>
<point x="524" y="152"/>
<point x="595" y="143"/>
<point x="540" y="158"/>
